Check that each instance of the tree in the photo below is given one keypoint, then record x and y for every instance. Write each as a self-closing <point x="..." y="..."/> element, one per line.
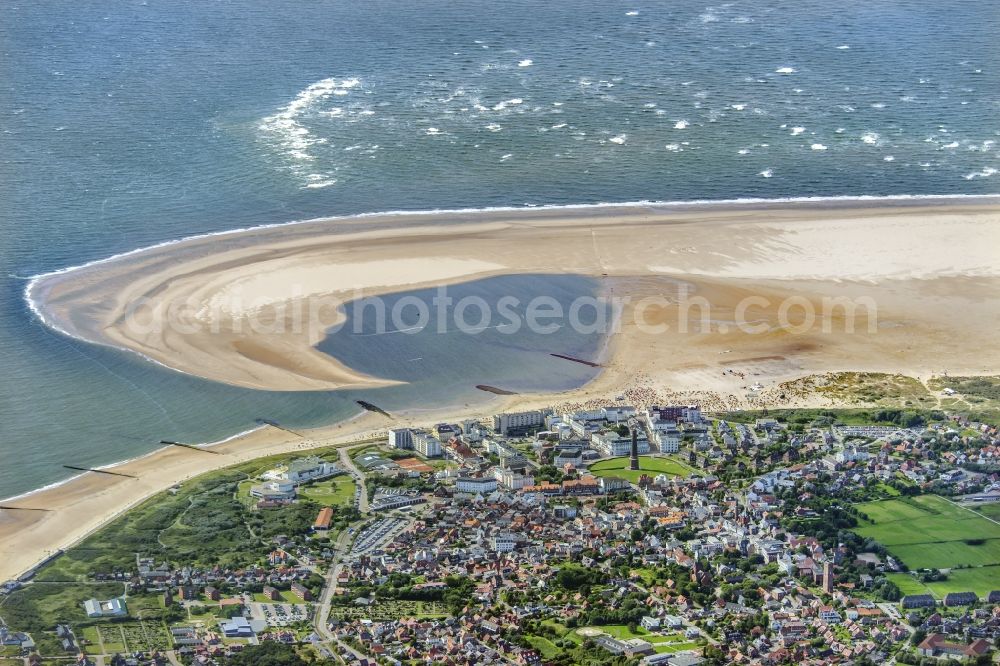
<point x="267" y="654"/>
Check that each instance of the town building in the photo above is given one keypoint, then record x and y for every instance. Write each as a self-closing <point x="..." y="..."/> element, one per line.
<point x="401" y="438"/>
<point x="426" y="445"/>
<point x="475" y="485"/>
<point x="111" y="608"/>
<point x="518" y="423"/>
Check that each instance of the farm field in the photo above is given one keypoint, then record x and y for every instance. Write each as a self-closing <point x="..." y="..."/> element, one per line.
<point x="647" y="465"/>
<point x="988" y="510"/>
<point x="981" y="580"/>
<point x="929" y="532"/>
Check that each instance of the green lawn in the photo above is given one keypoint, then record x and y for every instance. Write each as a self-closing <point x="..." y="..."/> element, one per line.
<point x="338" y="491"/>
<point x="887" y="490"/>
<point x="546" y="647"/>
<point x="648" y="575"/>
<point x="988" y="510"/>
<point x="931" y="532"/>
<point x="647" y="465"/>
<point x="563" y="630"/>
<point x="287" y="597"/>
<point x="675" y="647"/>
<point x="621" y="631"/>
<point x="981" y="580"/>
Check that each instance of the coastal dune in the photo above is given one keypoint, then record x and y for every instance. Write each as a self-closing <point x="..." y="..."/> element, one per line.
<point x="249" y="308"/>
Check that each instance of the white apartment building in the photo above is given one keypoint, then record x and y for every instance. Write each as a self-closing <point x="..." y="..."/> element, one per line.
<point x="401" y="438"/>
<point x="504" y="543"/>
<point x="474" y="485"/>
<point x="512" y="422"/>
<point x="512" y="480"/>
<point x="668" y="439"/>
<point x="426" y="445"/>
<point x="610" y="443"/>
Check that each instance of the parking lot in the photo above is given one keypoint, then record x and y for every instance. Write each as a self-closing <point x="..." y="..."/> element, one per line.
<point x="281" y="615"/>
<point x="378" y="533"/>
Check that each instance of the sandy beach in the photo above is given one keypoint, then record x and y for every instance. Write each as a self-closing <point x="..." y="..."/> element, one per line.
<point x="228" y="308"/>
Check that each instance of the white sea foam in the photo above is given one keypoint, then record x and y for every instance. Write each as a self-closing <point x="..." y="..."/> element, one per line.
<point x="798" y="130"/>
<point x="500" y="106"/>
<point x="559" y="126"/>
<point x="738" y="107"/>
<point x="286" y="131"/>
<point x="766" y="173"/>
<point x="785" y="70"/>
<point x="432" y="131"/>
<point x="818" y="146"/>
<point x="681" y="124"/>
<point x="674" y="147"/>
<point x="506" y="157"/>
<point x="321" y="183"/>
<point x="620" y="139"/>
<point x="494" y="127"/>
<point x="888" y="158"/>
<point x="985" y="173"/>
<point x="953" y="144"/>
<point x="878" y="105"/>
<point x="743" y="151"/>
<point x="843" y="47"/>
<point x="871" y="138"/>
<point x="527" y="62"/>
<point x="632" y="13"/>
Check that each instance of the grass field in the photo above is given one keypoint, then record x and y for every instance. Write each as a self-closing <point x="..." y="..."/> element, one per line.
<point x="988" y="510"/>
<point x="931" y="532"/>
<point x="981" y="580"/>
<point x="338" y="491"/>
<point x="287" y="597"/>
<point x="647" y="465"/>
<point x="546" y="647"/>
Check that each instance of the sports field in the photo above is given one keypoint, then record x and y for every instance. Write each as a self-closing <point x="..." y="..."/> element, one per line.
<point x="647" y="465"/>
<point x="931" y="532"/>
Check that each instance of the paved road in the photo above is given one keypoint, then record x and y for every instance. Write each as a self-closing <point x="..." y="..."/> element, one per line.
<point x="359" y="477"/>
<point x="340" y="549"/>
